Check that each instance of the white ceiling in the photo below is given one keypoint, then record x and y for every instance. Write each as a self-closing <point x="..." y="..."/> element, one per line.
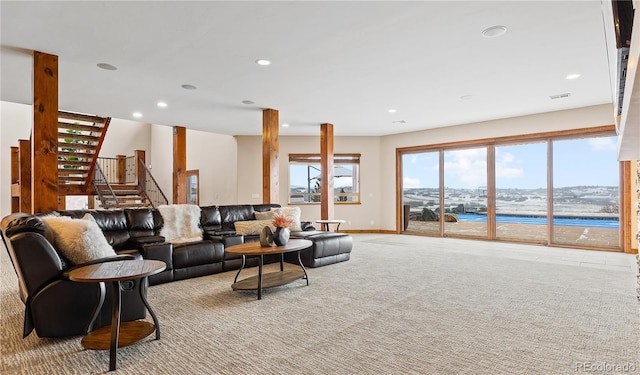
<point x="345" y="63"/>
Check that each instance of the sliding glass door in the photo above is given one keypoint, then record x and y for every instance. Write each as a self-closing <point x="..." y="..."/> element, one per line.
<point x="510" y="190"/>
<point x="421" y="192"/>
<point x="521" y="192"/>
<point x="465" y="192"/>
<point x="586" y="197"/>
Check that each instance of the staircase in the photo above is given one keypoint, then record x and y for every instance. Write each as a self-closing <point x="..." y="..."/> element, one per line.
<point x="122" y="196"/>
<point x="119" y="185"/>
<point x="80" y="138"/>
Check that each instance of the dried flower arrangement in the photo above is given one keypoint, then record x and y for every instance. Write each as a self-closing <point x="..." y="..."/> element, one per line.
<point x="281" y="221"/>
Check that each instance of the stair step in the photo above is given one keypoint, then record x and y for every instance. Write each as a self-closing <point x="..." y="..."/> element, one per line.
<point x="70" y="179"/>
<point x="81" y="155"/>
<point x="81" y="117"/>
<point x="125" y="205"/>
<point x="126" y="192"/>
<point x="79" y="127"/>
<point x="76" y="137"/>
<point x="75" y="146"/>
<point x="62" y="173"/>
<point x="81" y="163"/>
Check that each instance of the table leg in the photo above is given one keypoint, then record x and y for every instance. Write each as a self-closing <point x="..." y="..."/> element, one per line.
<point x="96" y="311"/>
<point x="115" y="325"/>
<point x="260" y="261"/>
<point x="338" y="228"/>
<point x="303" y="269"/>
<point x="281" y="262"/>
<point x="144" y="287"/>
<point x="240" y="270"/>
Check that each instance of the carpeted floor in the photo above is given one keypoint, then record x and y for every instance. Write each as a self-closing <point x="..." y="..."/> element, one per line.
<point x="401" y="305"/>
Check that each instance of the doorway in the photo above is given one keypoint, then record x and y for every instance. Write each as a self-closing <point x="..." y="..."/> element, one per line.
<point x="193" y="187"/>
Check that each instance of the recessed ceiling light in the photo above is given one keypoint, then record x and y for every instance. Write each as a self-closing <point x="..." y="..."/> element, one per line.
<point x="285" y="125"/>
<point x="137" y="114"/>
<point x="393" y="110"/>
<point x="189" y="87"/>
<point x="572" y="76"/>
<point x="248" y="102"/>
<point x="466" y="97"/>
<point x="162" y="104"/>
<point x="494" y="31"/>
<point x="106" y="66"/>
<point x="263" y="62"/>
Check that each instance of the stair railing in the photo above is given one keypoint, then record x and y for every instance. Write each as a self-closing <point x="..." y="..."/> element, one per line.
<point x="148" y="185"/>
<point x="99" y="179"/>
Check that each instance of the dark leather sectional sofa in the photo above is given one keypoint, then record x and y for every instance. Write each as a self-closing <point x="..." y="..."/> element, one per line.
<point x="139" y="228"/>
<point x="135" y="233"/>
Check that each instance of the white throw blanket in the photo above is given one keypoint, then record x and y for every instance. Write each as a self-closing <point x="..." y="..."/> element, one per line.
<point x="181" y="223"/>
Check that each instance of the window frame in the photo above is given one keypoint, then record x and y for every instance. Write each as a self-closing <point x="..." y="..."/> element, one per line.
<point x="314" y="159"/>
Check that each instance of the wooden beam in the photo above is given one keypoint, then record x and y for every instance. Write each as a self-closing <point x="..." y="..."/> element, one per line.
<point x="96" y="153"/>
<point x="141" y="173"/>
<point x="626" y="179"/>
<point x="121" y="169"/>
<point x="25" y="175"/>
<point x="326" y="165"/>
<point x="15" y="179"/>
<point x="270" y="156"/>
<point x="179" y="165"/>
<point x="45" y="132"/>
<point x="491" y="192"/>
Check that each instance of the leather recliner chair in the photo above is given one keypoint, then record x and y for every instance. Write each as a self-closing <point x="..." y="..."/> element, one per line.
<point x="54" y="305"/>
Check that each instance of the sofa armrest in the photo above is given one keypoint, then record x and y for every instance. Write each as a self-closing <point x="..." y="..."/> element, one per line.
<point x="159" y="251"/>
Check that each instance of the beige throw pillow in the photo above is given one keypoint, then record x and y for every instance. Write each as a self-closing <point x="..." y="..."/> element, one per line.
<point x="292" y="213"/>
<point x="80" y="241"/>
<point x="250" y="227"/>
<point x="267" y="215"/>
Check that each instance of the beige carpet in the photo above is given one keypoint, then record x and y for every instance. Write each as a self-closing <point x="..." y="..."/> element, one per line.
<point x="402" y="305"/>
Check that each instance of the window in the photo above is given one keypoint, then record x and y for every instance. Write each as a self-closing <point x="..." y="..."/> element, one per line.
<point x="305" y="175"/>
<point x="560" y="188"/>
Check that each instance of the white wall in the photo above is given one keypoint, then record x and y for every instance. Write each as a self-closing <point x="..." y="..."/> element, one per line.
<point x="15" y="123"/>
<point x="358" y="216"/>
<point x="214" y="155"/>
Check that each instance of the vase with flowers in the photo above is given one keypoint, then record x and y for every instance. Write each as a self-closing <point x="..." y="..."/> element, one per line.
<point x="282" y="232"/>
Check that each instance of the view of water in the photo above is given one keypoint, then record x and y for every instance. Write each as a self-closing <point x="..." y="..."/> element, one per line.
<point x="564" y="221"/>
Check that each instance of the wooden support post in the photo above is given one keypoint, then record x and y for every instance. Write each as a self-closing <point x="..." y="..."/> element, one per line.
<point x="491" y="192"/>
<point x="15" y="179"/>
<point x="326" y="165"/>
<point x="179" y="165"/>
<point x="141" y="173"/>
<point x="24" y="175"/>
<point x="45" y="132"/>
<point x="121" y="169"/>
<point x="270" y="156"/>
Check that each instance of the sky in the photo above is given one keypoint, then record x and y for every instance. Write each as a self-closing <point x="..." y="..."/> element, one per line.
<point x="588" y="162"/>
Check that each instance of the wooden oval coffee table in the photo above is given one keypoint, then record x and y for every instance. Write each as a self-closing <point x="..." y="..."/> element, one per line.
<point x="272" y="279"/>
<point x="128" y="333"/>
